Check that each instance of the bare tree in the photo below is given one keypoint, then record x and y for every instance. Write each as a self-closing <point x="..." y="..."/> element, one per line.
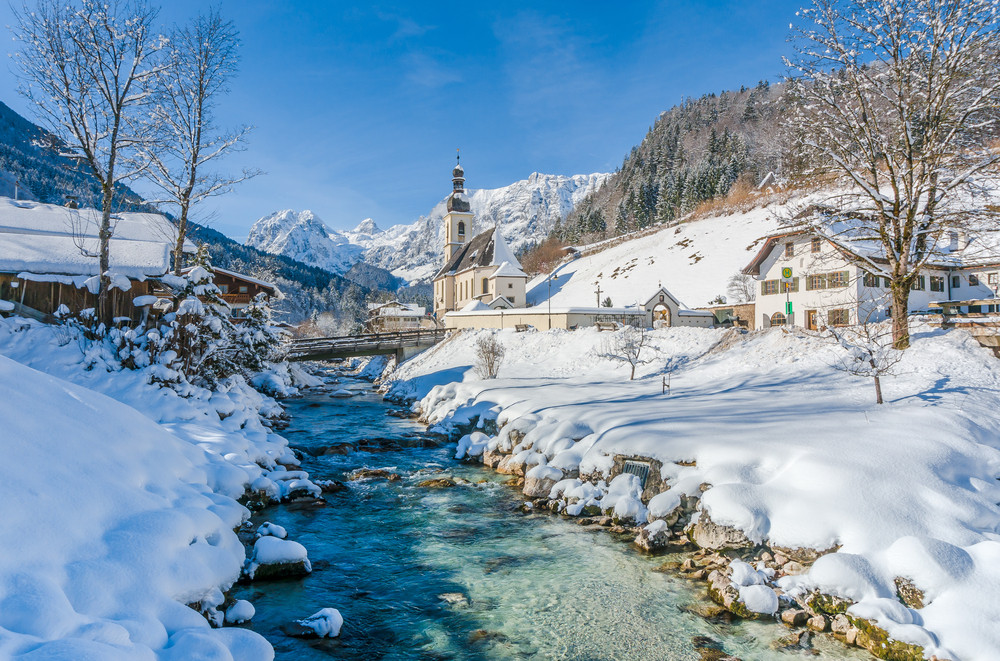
<point x="489" y="356"/>
<point x="741" y="287"/>
<point x="898" y="99"/>
<point x="627" y="346"/>
<point x="87" y="68"/>
<point x="870" y="352"/>
<point x="201" y="60"/>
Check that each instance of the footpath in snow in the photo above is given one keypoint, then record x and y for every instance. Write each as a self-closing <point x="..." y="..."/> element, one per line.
<point x="762" y="444"/>
<point x="118" y="503"/>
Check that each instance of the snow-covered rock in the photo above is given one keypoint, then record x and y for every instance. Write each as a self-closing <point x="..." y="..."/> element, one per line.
<point x="241" y="611"/>
<point x="277" y="558"/>
<point x="325" y="623"/>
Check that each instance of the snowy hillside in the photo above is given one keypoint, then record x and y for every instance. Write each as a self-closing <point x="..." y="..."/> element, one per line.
<point x="694" y="261"/>
<point x="525" y="211"/>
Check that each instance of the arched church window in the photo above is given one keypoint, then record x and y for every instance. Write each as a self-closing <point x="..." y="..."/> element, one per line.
<point x="486" y="285"/>
<point x="461" y="228"/>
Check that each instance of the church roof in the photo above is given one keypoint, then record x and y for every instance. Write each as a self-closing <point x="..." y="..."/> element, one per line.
<point x="485" y="249"/>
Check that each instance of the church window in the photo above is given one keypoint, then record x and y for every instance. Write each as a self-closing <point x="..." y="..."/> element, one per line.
<point x="486" y="285"/>
<point x="461" y="228"/>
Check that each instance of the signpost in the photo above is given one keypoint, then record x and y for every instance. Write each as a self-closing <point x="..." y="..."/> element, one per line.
<point x="786" y="279"/>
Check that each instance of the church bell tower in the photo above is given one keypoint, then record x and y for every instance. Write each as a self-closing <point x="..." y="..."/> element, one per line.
<point x="458" y="220"/>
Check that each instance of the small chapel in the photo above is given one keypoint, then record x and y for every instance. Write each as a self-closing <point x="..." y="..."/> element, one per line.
<point x="480" y="274"/>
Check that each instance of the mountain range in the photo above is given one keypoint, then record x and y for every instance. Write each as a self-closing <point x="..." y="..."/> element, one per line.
<point x="525" y="211"/>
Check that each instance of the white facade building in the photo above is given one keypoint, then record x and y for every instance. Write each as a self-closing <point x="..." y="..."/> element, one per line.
<point x="828" y="287"/>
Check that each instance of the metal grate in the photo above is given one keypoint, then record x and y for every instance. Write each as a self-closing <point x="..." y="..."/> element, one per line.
<point x="637" y="468"/>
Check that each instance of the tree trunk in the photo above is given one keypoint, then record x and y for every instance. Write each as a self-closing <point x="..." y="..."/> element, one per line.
<point x="900" y="315"/>
<point x="632" y="378"/>
<point x="878" y="390"/>
<point x="104" y="308"/>
<point x="181" y="234"/>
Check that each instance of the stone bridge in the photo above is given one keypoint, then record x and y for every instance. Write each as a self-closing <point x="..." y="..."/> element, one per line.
<point x="403" y="344"/>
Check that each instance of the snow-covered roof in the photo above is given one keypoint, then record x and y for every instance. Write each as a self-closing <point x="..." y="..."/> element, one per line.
<point x="45" y="238"/>
<point x="502" y="252"/>
<point x="397" y="309"/>
<point x="485" y="249"/>
<point x="475" y="306"/>
<point x="238" y="276"/>
<point x="508" y="270"/>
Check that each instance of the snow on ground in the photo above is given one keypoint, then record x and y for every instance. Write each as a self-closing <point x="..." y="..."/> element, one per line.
<point x="797" y="454"/>
<point x="118" y="502"/>
<point x="694" y="261"/>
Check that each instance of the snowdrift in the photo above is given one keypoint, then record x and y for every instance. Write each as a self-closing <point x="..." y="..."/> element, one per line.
<point x="110" y="529"/>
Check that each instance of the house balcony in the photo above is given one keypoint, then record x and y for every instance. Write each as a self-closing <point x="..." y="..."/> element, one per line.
<point x="237" y="299"/>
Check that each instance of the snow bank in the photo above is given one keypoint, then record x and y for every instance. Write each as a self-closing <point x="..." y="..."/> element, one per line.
<point x="118" y="529"/>
<point x="793" y="453"/>
<point x="129" y="504"/>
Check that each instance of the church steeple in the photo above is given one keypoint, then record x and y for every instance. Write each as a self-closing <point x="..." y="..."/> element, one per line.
<point x="458" y="175"/>
<point x="458" y="220"/>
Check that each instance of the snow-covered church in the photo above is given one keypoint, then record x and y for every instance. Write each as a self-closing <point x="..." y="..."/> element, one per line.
<point x="479" y="274"/>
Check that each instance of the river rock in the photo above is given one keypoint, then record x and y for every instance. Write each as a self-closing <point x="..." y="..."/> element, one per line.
<point x="795" y="617"/>
<point x="330" y="486"/>
<point x="485" y="636"/>
<point x="374" y="474"/>
<point x="653" y="537"/>
<point x="510" y="466"/>
<point x="325" y="623"/>
<point x="492" y="458"/>
<point x="454" y="599"/>
<point x="274" y="558"/>
<point x="908" y="593"/>
<point x="343" y="393"/>
<point x="710" y="535"/>
<point x="538" y="481"/>
<point x="793" y="568"/>
<point x="816" y="623"/>
<point x="840" y="625"/>
<point x="437" y="483"/>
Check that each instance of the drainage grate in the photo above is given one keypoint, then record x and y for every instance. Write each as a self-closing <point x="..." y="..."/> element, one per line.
<point x="637" y="468"/>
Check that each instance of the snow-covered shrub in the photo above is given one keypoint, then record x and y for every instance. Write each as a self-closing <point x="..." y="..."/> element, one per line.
<point x="489" y="356"/>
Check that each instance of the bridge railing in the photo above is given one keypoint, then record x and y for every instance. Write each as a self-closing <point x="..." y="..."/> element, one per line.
<point x="319" y="345"/>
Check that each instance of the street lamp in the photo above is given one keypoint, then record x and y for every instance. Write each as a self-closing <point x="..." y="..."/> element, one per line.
<point x="548" y="281"/>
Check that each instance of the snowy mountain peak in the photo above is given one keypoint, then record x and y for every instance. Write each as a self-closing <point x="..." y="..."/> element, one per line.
<point x="366" y="226"/>
<point x="302" y="235"/>
<point x="524" y="212"/>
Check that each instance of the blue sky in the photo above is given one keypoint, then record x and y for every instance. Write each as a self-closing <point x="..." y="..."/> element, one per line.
<point x="358" y="109"/>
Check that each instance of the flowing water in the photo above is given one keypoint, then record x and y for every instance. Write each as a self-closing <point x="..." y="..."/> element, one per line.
<point x="520" y="586"/>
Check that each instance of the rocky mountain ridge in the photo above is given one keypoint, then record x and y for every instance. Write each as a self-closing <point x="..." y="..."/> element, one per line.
<point x="525" y="211"/>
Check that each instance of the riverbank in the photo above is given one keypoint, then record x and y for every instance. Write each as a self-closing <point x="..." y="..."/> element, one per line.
<point x="427" y="556"/>
<point x="762" y="447"/>
<point x="120" y="500"/>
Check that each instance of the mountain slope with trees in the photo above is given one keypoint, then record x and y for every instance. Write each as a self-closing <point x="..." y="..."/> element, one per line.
<point x="697" y="151"/>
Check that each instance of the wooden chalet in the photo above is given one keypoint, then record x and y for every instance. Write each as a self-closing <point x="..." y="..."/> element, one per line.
<point x="47" y="258"/>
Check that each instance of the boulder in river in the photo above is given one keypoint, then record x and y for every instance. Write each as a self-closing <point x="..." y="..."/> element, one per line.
<point x="374" y="474"/>
<point x="274" y="558"/>
<point x="325" y="623"/>
<point x="437" y="483"/>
